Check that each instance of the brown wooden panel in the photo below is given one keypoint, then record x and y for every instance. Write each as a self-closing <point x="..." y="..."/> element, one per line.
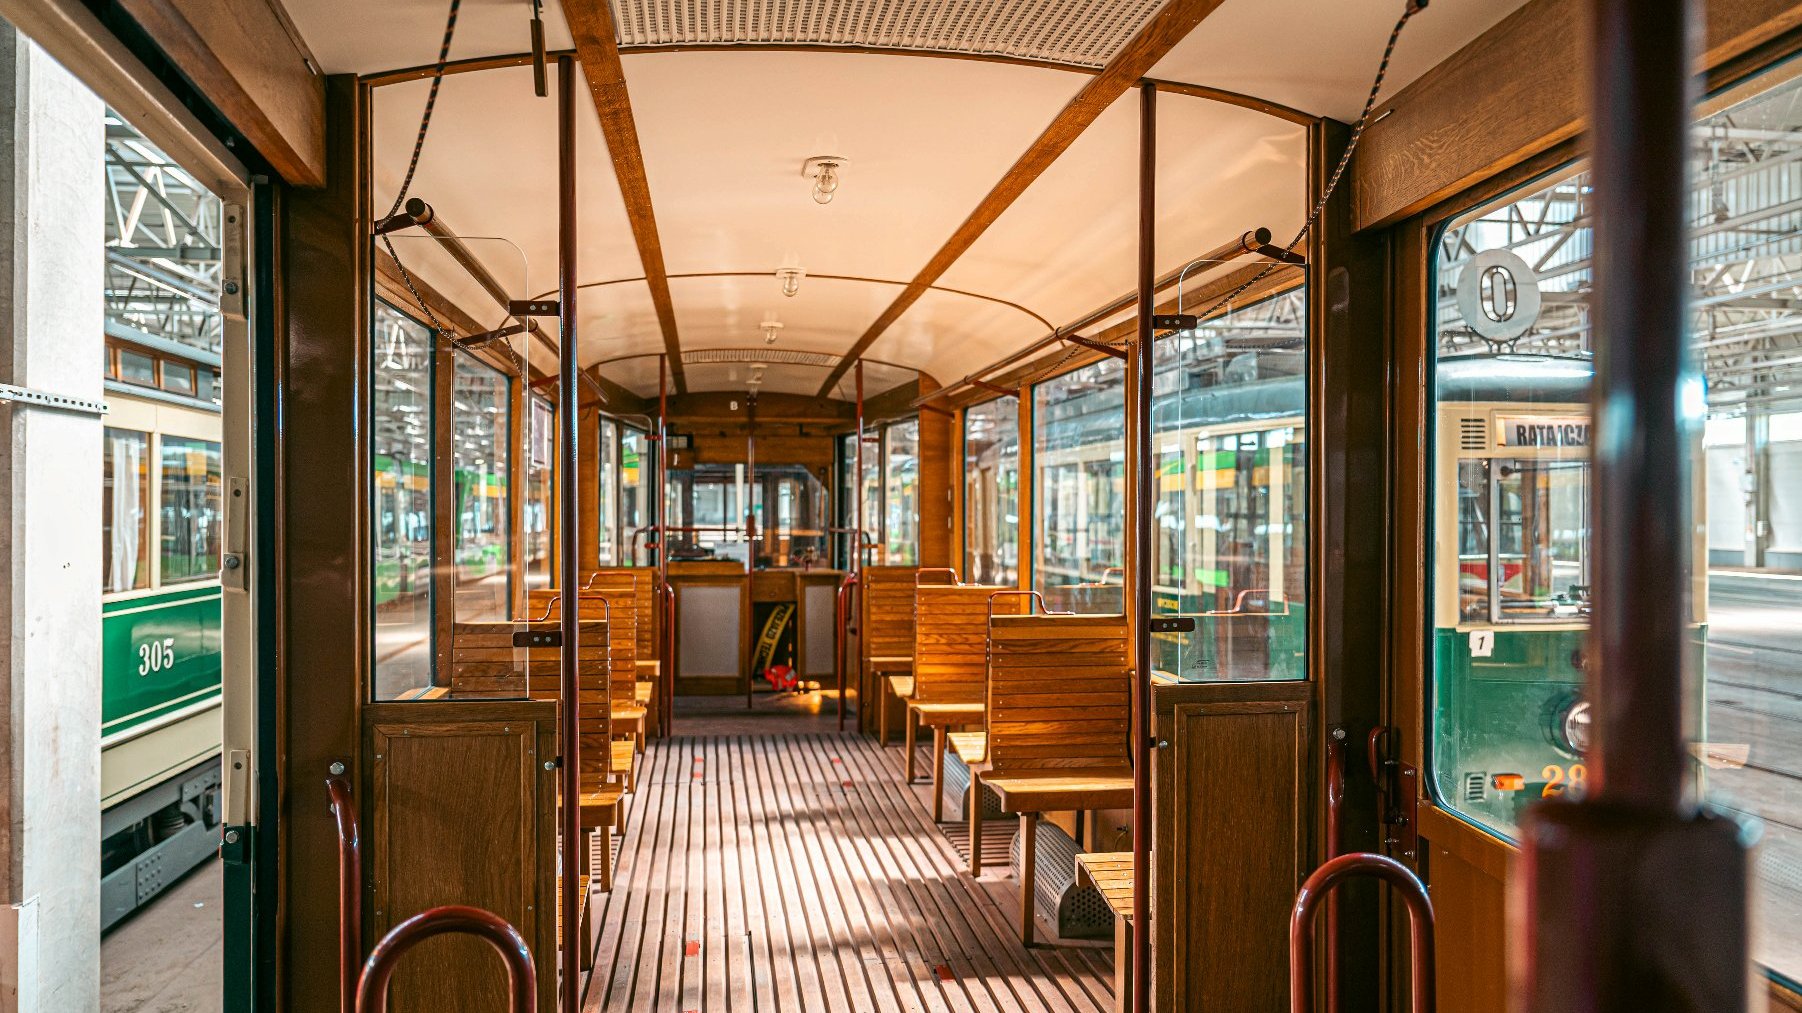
<point x="250" y="63"/>
<point x="486" y="666"/>
<point x="1476" y="113"/>
<point x="432" y="840"/>
<point x="1466" y="870"/>
<point x="644" y="597"/>
<point x="1232" y="826"/>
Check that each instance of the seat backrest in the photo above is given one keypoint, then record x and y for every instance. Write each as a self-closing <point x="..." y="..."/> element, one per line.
<point x="612" y="602"/>
<point x="951" y="634"/>
<point x="644" y="601"/>
<point x="486" y="666"/>
<point x="887" y="629"/>
<point x="1058" y="693"/>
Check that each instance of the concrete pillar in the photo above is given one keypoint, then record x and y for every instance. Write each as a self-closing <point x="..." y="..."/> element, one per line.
<point x="52" y="193"/>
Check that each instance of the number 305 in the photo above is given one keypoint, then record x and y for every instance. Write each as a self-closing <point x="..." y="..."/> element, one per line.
<point x="156" y="655"/>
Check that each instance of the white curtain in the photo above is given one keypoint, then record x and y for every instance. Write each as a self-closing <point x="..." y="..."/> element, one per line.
<point x="127" y="454"/>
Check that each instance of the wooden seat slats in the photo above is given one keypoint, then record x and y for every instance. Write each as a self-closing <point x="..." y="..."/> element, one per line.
<point x="1111" y="874"/>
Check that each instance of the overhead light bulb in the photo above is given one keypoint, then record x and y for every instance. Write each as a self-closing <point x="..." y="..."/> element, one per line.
<point x="790" y="277"/>
<point x="772" y="328"/>
<point x="824" y="171"/>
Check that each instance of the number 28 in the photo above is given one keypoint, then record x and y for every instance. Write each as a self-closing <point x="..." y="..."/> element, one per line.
<point x="1557" y="779"/>
<point x="156" y="655"/>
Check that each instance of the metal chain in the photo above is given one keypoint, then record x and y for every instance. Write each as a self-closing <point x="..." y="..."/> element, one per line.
<point x="1370" y="101"/>
<point x="1376" y="87"/>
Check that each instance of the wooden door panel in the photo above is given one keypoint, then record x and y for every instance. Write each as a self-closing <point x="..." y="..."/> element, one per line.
<point x="461" y="811"/>
<point x="1231" y="828"/>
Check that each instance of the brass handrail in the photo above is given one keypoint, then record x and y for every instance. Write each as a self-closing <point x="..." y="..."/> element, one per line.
<point x="1319" y="885"/>
<point x="343" y="806"/>
<point x="522" y="977"/>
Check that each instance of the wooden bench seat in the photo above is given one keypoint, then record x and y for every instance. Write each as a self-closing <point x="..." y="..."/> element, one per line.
<point x="885" y="636"/>
<point x="1058" y="725"/>
<point x="950" y="664"/>
<point x="970" y="747"/>
<point x="1111" y="874"/>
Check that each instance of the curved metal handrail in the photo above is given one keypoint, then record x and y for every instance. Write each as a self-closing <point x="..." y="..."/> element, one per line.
<point x="343" y="806"/>
<point x="924" y="570"/>
<point x="1044" y="610"/>
<point x="1321" y="884"/>
<point x="522" y="977"/>
<point x="1335" y="804"/>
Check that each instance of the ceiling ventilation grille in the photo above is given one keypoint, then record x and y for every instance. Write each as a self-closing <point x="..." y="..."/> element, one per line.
<point x="769" y="355"/>
<point x="1083" y="33"/>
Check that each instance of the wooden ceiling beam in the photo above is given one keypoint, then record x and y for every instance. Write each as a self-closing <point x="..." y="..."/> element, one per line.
<point x="591" y="23"/>
<point x="1169" y="26"/>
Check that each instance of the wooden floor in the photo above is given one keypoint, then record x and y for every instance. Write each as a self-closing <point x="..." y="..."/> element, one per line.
<point x="803" y="858"/>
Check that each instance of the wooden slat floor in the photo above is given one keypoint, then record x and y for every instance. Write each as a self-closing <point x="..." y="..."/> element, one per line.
<point x="804" y="860"/>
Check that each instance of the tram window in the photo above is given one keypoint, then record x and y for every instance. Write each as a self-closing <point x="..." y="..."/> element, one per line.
<point x="1511" y="503"/>
<point x="125" y="511"/>
<point x="634" y="492"/>
<point x="609" y="500"/>
<point x="401" y="514"/>
<point x="1079" y="491"/>
<point x="188" y="500"/>
<point x="992" y="492"/>
<point x="480" y="418"/>
<point x="900" y="492"/>
<point x="1230" y="520"/>
<point x="535" y="517"/>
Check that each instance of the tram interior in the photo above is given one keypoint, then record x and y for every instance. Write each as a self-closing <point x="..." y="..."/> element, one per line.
<point x="877" y="505"/>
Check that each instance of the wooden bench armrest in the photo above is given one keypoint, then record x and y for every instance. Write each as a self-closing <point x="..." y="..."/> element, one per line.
<point x="971" y="747"/>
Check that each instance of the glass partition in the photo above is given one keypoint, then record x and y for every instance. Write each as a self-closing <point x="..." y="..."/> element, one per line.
<point x="1511" y="432"/>
<point x="480" y="416"/>
<point x="1079" y="495"/>
<point x="992" y="492"/>
<point x="1229" y="528"/>
<point x="535" y="516"/>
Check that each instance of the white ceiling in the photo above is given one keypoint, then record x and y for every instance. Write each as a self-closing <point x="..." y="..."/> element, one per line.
<point x="724" y="133"/>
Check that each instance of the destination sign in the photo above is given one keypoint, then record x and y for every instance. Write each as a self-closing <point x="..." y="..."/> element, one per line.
<point x="1543" y="430"/>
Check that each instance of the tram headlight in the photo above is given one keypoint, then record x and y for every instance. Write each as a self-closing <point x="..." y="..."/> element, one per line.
<point x="1573" y="728"/>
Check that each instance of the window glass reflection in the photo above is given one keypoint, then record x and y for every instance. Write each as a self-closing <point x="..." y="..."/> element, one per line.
<point x="1079" y="499"/>
<point x="480" y="417"/>
<point x="401" y="514"/>
<point x="992" y="492"/>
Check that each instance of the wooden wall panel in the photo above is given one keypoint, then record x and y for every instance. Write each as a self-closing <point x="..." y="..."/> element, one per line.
<point x="432" y="840"/>
<point x="1482" y="110"/>
<point x="1230" y="797"/>
<point x="936" y="474"/>
<point x="250" y="63"/>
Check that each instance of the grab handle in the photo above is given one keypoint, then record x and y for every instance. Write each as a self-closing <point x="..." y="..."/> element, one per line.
<point x="1319" y="885"/>
<point x="343" y="807"/>
<point x="522" y="979"/>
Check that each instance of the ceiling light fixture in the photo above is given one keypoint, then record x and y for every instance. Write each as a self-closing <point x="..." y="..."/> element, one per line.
<point x="790" y="277"/>
<point x="824" y="171"/>
<point x="772" y="328"/>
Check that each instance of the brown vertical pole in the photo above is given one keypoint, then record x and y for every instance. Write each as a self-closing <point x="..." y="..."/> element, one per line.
<point x="856" y="541"/>
<point x="751" y="523"/>
<point x="567" y="532"/>
<point x="1138" y="456"/>
<point x="660" y="497"/>
<point x="1635" y="898"/>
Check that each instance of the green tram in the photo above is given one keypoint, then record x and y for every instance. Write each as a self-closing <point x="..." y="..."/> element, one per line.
<point x="1511" y="577"/>
<point x="160" y="626"/>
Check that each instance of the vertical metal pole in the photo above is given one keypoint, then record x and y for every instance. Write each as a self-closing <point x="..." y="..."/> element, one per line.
<point x="660" y="496"/>
<point x="856" y="535"/>
<point x="751" y="522"/>
<point x="1647" y="397"/>
<point x="1139" y="458"/>
<point x="570" y="770"/>
<point x="1634" y="898"/>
